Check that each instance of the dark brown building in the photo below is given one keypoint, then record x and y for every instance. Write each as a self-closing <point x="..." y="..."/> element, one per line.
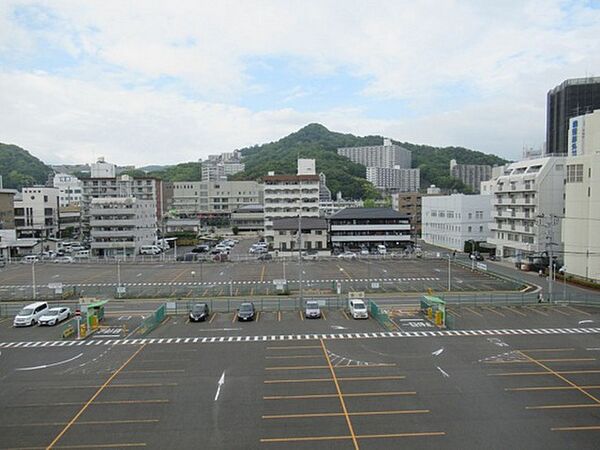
<point x="7" y="209"/>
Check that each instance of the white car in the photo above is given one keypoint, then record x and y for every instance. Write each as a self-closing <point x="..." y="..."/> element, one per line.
<point x="53" y="316"/>
<point x="30" y="314"/>
<point x="358" y="309"/>
<point x="30" y="259"/>
<point x="364" y="251"/>
<point x="63" y="260"/>
<point x="347" y="255"/>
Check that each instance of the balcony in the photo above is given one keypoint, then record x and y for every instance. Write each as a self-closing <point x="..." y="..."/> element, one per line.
<point x="112" y="234"/>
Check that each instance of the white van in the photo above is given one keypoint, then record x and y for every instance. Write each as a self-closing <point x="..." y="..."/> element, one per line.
<point x="30" y="259"/>
<point x="81" y="254"/>
<point x="150" y="250"/>
<point x="381" y="249"/>
<point x="30" y="314"/>
<point x="358" y="308"/>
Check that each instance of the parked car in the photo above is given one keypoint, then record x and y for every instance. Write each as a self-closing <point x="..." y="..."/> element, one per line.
<point x="202" y="248"/>
<point x="81" y="254"/>
<point x="199" y="312"/>
<point x="52" y="316"/>
<point x="358" y="309"/>
<point x="63" y="260"/>
<point x="347" y="255"/>
<point x="476" y="256"/>
<point x="246" y="312"/>
<point x="30" y="259"/>
<point x="364" y="251"/>
<point x="30" y="314"/>
<point x="150" y="250"/>
<point x="381" y="249"/>
<point x="265" y="257"/>
<point x="312" y="310"/>
<point x="258" y="250"/>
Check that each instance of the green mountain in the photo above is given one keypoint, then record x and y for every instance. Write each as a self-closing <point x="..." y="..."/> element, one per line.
<point x="188" y="171"/>
<point x="316" y="141"/>
<point x="19" y="168"/>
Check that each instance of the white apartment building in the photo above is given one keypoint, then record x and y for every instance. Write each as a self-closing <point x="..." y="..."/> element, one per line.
<point x="386" y="155"/>
<point x="471" y="174"/>
<point x="581" y="223"/>
<point x="219" y="167"/>
<point x="120" y="226"/>
<point x="102" y="169"/>
<point x="36" y="212"/>
<point x="451" y="220"/>
<point x="526" y="196"/>
<point x="70" y="188"/>
<point x="395" y="179"/>
<point x="194" y="197"/>
<point x="291" y="195"/>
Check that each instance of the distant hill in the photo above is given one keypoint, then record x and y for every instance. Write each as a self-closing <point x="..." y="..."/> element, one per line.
<point x="316" y="141"/>
<point x="153" y="168"/>
<point x="189" y="171"/>
<point x="19" y="168"/>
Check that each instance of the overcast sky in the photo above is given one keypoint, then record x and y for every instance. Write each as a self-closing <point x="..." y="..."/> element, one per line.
<point x="163" y="82"/>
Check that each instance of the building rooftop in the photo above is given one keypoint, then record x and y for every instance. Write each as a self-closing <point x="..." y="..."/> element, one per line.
<point x="308" y="223"/>
<point x="368" y="213"/>
<point x="291" y="178"/>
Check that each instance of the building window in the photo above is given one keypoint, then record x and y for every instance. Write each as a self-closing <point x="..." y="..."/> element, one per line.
<point x="469" y="229"/>
<point x="479" y="214"/>
<point x="575" y="173"/>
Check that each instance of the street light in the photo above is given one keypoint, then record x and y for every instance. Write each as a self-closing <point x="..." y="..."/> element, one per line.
<point x="563" y="271"/>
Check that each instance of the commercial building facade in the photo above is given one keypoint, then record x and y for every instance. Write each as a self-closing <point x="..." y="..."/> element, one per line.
<point x="527" y="196"/>
<point x="368" y="227"/>
<point x="394" y="179"/>
<point x="387" y="155"/>
<point x="249" y="218"/>
<point x="219" y="197"/>
<point x="580" y="226"/>
<point x="7" y="209"/>
<point x="409" y="204"/>
<point x="36" y="212"/>
<point x="571" y="98"/>
<point x="70" y="188"/>
<point x="471" y="174"/>
<point x="285" y="234"/>
<point x="451" y="220"/>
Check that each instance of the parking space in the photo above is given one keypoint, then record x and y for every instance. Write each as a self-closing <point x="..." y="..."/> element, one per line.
<point x="10" y="333"/>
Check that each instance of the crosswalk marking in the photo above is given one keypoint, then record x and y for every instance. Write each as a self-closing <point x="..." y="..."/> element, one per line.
<point x="303" y="337"/>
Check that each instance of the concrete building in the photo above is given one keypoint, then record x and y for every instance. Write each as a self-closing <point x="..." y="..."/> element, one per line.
<point x="580" y="225"/>
<point x="526" y="192"/>
<point x="36" y="212"/>
<point x="7" y="209"/>
<point x="387" y="155"/>
<point x="285" y="234"/>
<point x="324" y="191"/>
<point x="289" y="196"/>
<point x="571" y="98"/>
<point x="368" y="227"/>
<point x="102" y="169"/>
<point x="249" y="218"/>
<point x="327" y="209"/>
<point x="70" y="188"/>
<point x="70" y="221"/>
<point x="394" y="179"/>
<point x="451" y="220"/>
<point x="119" y="226"/>
<point x="218" y="197"/>
<point x="433" y="190"/>
<point x="471" y="174"/>
<point x="409" y="204"/>
<point x="219" y="167"/>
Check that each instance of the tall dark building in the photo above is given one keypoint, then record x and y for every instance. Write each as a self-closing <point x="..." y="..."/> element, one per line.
<point x="569" y="99"/>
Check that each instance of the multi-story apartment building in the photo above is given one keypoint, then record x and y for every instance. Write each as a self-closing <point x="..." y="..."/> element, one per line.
<point x="285" y="236"/>
<point x="471" y="174"/>
<point x="324" y="191"/>
<point x="215" y="197"/>
<point x="291" y="195"/>
<point x="409" y="205"/>
<point x="571" y="98"/>
<point x="386" y="155"/>
<point x="581" y="221"/>
<point x="327" y="209"/>
<point x="70" y="221"/>
<point x="394" y="179"/>
<point x="526" y="196"/>
<point x="248" y="218"/>
<point x="451" y="220"/>
<point x="119" y="226"/>
<point x="70" y="188"/>
<point x="102" y="169"/>
<point x="369" y="227"/>
<point x="7" y="209"/>
<point x="36" y="212"/>
<point x="219" y="167"/>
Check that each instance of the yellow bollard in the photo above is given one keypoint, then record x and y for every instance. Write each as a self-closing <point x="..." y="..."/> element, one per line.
<point x="94" y="322"/>
<point x="438" y="318"/>
<point x="82" y="330"/>
<point x="429" y="313"/>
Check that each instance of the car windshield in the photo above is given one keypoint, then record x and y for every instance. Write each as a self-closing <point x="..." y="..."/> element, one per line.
<point x="198" y="308"/>
<point x="312" y="305"/>
<point x="246" y="307"/>
<point x="52" y="312"/>
<point x="359" y="306"/>
<point x="26" y="312"/>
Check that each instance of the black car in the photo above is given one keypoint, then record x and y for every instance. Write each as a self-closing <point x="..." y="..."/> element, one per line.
<point x="202" y="248"/>
<point x="199" y="312"/>
<point x="265" y="257"/>
<point x="246" y="312"/>
<point x="187" y="257"/>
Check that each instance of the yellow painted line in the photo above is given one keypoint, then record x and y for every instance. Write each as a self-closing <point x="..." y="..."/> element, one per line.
<point x="204" y="293"/>
<point x="345" y="315"/>
<point x="546" y="349"/>
<point x="251" y="291"/>
<point x="323" y="315"/>
<point x="179" y="275"/>
<point x="281" y="347"/>
<point x="220" y="293"/>
<point x="237" y="291"/>
<point x="257" y="316"/>
<point x="541" y="360"/>
<point x="213" y="317"/>
<point x="353" y="437"/>
<point x="4" y="320"/>
<point x="84" y="446"/>
<point x="556" y="309"/>
<point x="155" y="371"/>
<point x="536" y="310"/>
<point x="494" y="311"/>
<point x="549" y="388"/>
<point x="557" y="374"/>
<point x="96" y="394"/>
<point x="562" y="372"/>
<point x="579" y="310"/>
<point x="262" y="273"/>
<point x="318" y="380"/>
<point x="187" y="320"/>
<point x="90" y="422"/>
<point x="278" y="316"/>
<point x="514" y="309"/>
<point x="293" y="357"/>
<point x="473" y="311"/>
<point x="301" y="315"/>
<point x="325" y="367"/>
<point x="112" y="386"/>
<point x="233" y="318"/>
<point x="588" y="428"/>
<point x="453" y="313"/>
<point x="363" y="413"/>
<point x="340" y="396"/>
<point x="585" y="405"/>
<point x="359" y="394"/>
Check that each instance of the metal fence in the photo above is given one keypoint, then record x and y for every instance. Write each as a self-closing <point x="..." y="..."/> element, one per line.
<point x="381" y="316"/>
<point x="152" y="321"/>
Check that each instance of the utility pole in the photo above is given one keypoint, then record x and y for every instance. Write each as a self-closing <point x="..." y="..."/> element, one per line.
<point x="449" y="274"/>
<point x="33" y="279"/>
<point x="300" y="248"/>
<point x="549" y="249"/>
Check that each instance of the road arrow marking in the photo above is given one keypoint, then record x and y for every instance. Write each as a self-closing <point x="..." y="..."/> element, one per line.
<point x="585" y="321"/>
<point x="220" y="383"/>
<point x="45" y="366"/>
<point x="443" y="372"/>
<point x="438" y="352"/>
<point x="338" y="327"/>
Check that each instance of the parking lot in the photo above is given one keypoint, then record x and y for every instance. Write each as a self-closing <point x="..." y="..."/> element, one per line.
<point x="321" y="277"/>
<point x="284" y="382"/>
